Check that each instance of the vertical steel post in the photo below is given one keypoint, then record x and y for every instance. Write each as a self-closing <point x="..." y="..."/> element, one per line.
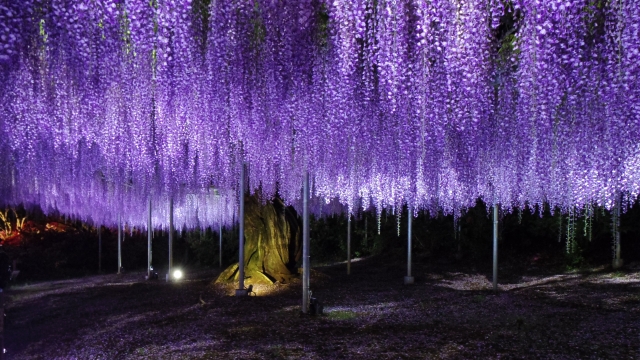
<point x="149" y="237"/>
<point x="408" y="279"/>
<point x="170" y="237"/>
<point x="495" y="246"/>
<point x="617" y="234"/>
<point x="306" y="268"/>
<point x="2" y="349"/>
<point x="365" y="230"/>
<point x="617" y="211"/>
<point x="409" y="221"/>
<point x="119" y="243"/>
<point x="241" y="230"/>
<point x="348" y="243"/>
<point x="220" y="246"/>
<point x="100" y="248"/>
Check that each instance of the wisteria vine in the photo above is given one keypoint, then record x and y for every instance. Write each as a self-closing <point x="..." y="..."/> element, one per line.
<point x="105" y="104"/>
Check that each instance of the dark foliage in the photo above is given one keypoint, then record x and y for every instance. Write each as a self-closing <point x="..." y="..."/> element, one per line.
<point x="47" y="254"/>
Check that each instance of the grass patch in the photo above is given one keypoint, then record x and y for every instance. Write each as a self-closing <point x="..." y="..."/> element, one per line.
<point x="479" y="298"/>
<point x="575" y="262"/>
<point x="342" y="315"/>
<point x="618" y="274"/>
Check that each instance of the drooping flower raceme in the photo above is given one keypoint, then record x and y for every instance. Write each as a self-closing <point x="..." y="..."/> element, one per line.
<point x="105" y="105"/>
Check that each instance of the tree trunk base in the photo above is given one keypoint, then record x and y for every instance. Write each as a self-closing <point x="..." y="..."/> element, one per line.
<point x="271" y="246"/>
<point x="253" y="277"/>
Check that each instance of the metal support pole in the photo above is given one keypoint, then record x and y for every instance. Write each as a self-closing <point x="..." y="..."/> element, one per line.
<point x="365" y="230"/>
<point x="170" y="238"/>
<point x="119" y="243"/>
<point x="2" y="349"/>
<point x="100" y="248"/>
<point x="241" y="233"/>
<point x="220" y="246"/>
<point x="149" y="239"/>
<point x="617" y="234"/>
<point x="495" y="247"/>
<point x="617" y="211"/>
<point x="306" y="268"/>
<point x="348" y="243"/>
<point x="408" y="279"/>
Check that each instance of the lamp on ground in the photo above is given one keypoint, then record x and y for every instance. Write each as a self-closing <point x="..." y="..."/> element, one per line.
<point x="177" y="274"/>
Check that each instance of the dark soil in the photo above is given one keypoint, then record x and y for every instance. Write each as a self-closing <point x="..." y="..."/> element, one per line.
<point x="451" y="312"/>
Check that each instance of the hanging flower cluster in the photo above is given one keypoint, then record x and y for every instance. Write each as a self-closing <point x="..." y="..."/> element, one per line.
<point x="107" y="104"/>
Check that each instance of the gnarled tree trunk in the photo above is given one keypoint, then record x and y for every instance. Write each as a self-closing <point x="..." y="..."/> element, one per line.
<point x="272" y="246"/>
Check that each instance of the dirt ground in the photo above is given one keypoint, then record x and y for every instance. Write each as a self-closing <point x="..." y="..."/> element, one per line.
<point x="450" y="313"/>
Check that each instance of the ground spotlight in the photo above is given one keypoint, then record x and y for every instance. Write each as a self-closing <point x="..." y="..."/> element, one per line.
<point x="177" y="274"/>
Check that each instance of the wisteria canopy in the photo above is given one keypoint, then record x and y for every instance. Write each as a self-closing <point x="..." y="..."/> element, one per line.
<point x="105" y="104"/>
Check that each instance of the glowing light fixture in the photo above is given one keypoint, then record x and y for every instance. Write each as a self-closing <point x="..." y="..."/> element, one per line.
<point x="177" y="274"/>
